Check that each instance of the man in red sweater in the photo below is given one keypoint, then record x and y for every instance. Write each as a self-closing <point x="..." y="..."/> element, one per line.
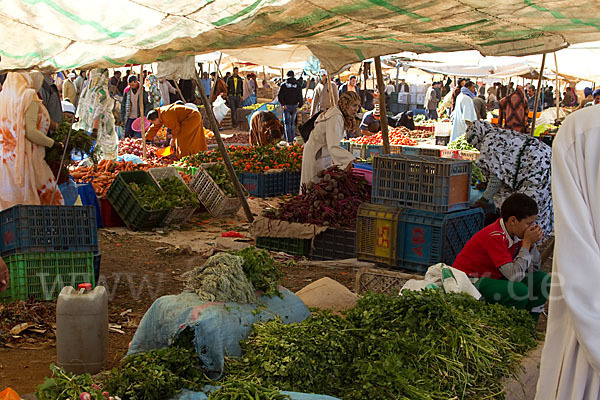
<point x="503" y="261"/>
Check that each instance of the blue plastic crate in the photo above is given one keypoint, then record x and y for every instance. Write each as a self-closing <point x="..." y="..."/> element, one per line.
<point x="373" y="149"/>
<point x="45" y="229"/>
<point x="264" y="185"/>
<point x="292" y="182"/>
<point x="345" y="145"/>
<point x="426" y="238"/>
<point x="413" y="239"/>
<point x="420" y="182"/>
<point x="412" y="150"/>
<point x="88" y="197"/>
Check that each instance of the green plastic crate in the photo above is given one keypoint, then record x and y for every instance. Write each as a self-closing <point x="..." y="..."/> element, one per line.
<point x="43" y="275"/>
<point x="128" y="207"/>
<point x="297" y="247"/>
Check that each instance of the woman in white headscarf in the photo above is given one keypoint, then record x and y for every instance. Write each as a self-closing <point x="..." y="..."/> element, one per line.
<point x="570" y="366"/>
<point x="25" y="177"/>
<point x="95" y="115"/>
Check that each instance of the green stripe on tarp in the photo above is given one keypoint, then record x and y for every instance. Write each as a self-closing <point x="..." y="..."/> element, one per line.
<point x="231" y="18"/>
<point x="305" y="35"/>
<point x="21" y="57"/>
<point x="455" y="28"/>
<point x="110" y="60"/>
<point x="398" y="10"/>
<point x="77" y="19"/>
<point x="359" y="54"/>
<point x="431" y="46"/>
<point x="559" y="15"/>
<point x="514" y="40"/>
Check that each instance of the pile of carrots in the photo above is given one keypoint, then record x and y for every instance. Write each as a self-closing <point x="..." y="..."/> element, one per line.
<point x="102" y="175"/>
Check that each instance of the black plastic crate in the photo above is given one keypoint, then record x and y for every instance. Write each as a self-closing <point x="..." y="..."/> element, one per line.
<point x="127" y="205"/>
<point x="264" y="185"/>
<point x="40" y="229"/>
<point x="334" y="244"/>
<point x="292" y="182"/>
<point x="297" y="247"/>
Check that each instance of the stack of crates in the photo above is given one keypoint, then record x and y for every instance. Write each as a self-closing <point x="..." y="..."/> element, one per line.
<point x="47" y="248"/>
<point x="419" y="213"/>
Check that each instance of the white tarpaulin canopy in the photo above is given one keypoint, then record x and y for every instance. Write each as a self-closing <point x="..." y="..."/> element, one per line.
<point x="63" y="34"/>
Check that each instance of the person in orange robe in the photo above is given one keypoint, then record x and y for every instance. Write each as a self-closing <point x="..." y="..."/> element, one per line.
<point x="186" y="128"/>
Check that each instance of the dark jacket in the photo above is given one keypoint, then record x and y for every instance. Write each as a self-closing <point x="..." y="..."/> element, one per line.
<point x="126" y="105"/>
<point x="344" y="89"/>
<point x="232" y="90"/>
<point x="290" y="93"/>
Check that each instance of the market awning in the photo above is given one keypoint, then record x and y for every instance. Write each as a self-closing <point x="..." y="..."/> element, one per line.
<point x="62" y="34"/>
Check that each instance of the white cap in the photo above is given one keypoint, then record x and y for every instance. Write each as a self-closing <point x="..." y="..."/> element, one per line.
<point x="68" y="107"/>
<point x="192" y="106"/>
<point x="71" y="75"/>
<point x="323" y="72"/>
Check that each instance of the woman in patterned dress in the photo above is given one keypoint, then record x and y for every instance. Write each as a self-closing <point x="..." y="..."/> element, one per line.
<point x="25" y="178"/>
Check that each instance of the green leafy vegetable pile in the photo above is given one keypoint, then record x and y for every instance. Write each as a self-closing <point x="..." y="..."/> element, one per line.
<point x="477" y="175"/>
<point x="425" y="345"/>
<point x="461" y="144"/>
<point x="155" y="375"/>
<point x="174" y="194"/>
<point x="151" y="198"/>
<point x="79" y="141"/>
<point x="218" y="172"/>
<point x="261" y="270"/>
<point x="178" y="193"/>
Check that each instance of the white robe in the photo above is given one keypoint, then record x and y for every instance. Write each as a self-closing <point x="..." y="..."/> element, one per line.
<point x="570" y="366"/>
<point x="464" y="111"/>
<point x="323" y="147"/>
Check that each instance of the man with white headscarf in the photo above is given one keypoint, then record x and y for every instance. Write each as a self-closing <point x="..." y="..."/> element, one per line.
<point x="570" y="366"/>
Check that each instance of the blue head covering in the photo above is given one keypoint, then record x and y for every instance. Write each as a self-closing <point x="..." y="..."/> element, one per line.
<point x="587" y="91"/>
<point x="596" y="93"/>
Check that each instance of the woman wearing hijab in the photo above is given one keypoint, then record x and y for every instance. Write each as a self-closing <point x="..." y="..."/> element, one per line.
<point x="323" y="147"/>
<point x="570" y="365"/>
<point x="406" y="119"/>
<point x="25" y="178"/>
<point x="513" y="162"/>
<point x="95" y="115"/>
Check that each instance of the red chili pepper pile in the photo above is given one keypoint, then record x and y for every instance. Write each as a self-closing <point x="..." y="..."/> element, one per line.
<point x="332" y="202"/>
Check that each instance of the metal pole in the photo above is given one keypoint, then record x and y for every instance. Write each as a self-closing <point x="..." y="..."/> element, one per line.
<point x="215" y="128"/>
<point x="537" y="94"/>
<point x="557" y="97"/>
<point x="382" y="107"/>
<point x="397" y="75"/>
<point x="141" y="104"/>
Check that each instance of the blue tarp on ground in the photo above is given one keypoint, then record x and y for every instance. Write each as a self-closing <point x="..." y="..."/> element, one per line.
<point x="187" y="395"/>
<point x="218" y="327"/>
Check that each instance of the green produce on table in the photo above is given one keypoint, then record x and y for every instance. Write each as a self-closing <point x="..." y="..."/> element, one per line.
<point x="79" y="140"/>
<point x="218" y="172"/>
<point x="261" y="270"/>
<point x="477" y="175"/>
<point x="178" y="193"/>
<point x="421" y="345"/>
<point x="461" y="144"/>
<point x="234" y="390"/>
<point x="63" y="385"/>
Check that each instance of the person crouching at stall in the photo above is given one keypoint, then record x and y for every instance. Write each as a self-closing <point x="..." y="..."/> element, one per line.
<point x="25" y="177"/>
<point x="265" y="128"/>
<point x="323" y="146"/>
<point x="503" y="261"/>
<point x="186" y="128"/>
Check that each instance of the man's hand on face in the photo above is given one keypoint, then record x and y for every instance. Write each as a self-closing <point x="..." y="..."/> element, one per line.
<point x="532" y="235"/>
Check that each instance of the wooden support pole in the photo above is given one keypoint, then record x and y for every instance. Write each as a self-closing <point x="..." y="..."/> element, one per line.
<point x="179" y="91"/>
<point x="557" y="97"/>
<point x="215" y="128"/>
<point x="382" y="107"/>
<point x="142" y="116"/>
<point x="331" y="95"/>
<point x="537" y="94"/>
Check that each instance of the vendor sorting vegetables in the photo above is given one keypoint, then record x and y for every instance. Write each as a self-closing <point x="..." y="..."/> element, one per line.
<point x="265" y="128"/>
<point x="186" y="127"/>
<point x="503" y="261"/>
<point x="25" y="178"/>
<point x="513" y="163"/>
<point x="323" y="146"/>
